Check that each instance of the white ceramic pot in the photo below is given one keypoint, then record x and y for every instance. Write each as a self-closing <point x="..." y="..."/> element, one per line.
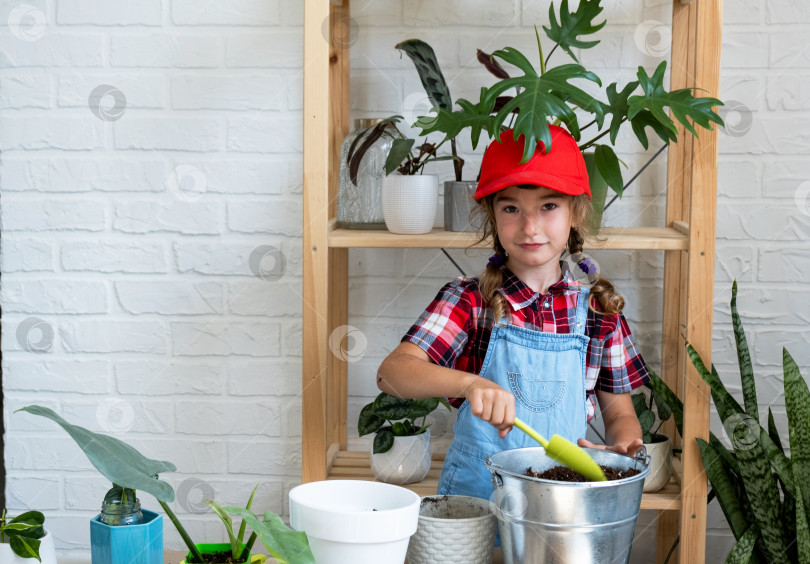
<point x="660" y="464"/>
<point x="453" y="529"/>
<point x="47" y="552"/>
<point x="410" y="203"/>
<point x="407" y="462"/>
<point x="355" y="520"/>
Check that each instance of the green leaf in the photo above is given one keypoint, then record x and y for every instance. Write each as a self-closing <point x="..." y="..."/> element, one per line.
<point x="760" y="483"/>
<point x="25" y="547"/>
<point x="399" y="153"/>
<point x="744" y="549"/>
<point x="675" y="404"/>
<point x="802" y="527"/>
<point x="714" y="382"/>
<point x="116" y="460"/>
<point x="227" y="522"/>
<point x="427" y="66"/>
<point x="391" y="407"/>
<point x="684" y="107"/>
<point x="797" y="397"/>
<point x="241" y="535"/>
<point x="607" y="163"/>
<point x="423" y="406"/>
<point x="723" y="487"/>
<point x="773" y="432"/>
<point x="284" y="544"/>
<point x="25" y="521"/>
<point x="368" y="421"/>
<point x="383" y="441"/>
<point x="402" y="428"/>
<point x="542" y="99"/>
<point x="475" y="116"/>
<point x="646" y="420"/>
<point x="661" y="405"/>
<point x="571" y="25"/>
<point x="639" y="403"/>
<point x="618" y="106"/>
<point x="744" y="359"/>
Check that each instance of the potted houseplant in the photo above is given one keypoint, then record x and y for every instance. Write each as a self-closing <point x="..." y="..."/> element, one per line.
<point x="658" y="445"/>
<point x="142" y="542"/>
<point x="24" y="539"/>
<point x="400" y="453"/>
<point x="551" y="95"/>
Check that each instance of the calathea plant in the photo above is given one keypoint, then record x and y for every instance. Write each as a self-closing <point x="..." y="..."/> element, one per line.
<point x="647" y="418"/>
<point x="23" y="533"/>
<point x="390" y="417"/>
<point x="550" y="95"/>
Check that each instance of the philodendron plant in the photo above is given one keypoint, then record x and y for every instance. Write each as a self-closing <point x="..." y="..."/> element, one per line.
<point x="548" y="95"/>
<point x="23" y="533"/>
<point x="390" y="417"/>
<point x="129" y="471"/>
<point x="764" y="494"/>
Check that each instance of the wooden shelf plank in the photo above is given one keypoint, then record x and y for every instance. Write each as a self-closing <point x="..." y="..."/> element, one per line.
<point x="354" y="465"/>
<point x="643" y="238"/>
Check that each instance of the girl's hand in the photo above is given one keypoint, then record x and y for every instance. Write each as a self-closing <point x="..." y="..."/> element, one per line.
<point x="629" y="449"/>
<point x="491" y="403"/>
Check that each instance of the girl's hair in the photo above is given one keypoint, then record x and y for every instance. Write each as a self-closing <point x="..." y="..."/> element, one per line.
<point x="492" y="279"/>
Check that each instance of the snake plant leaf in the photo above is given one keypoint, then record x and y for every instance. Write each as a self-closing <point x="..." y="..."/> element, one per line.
<point x="566" y="31"/>
<point x="714" y="382"/>
<point x="475" y="116"/>
<point x="541" y="98"/>
<point x="802" y="527"/>
<point x="728" y="458"/>
<point x="683" y="105"/>
<point x="744" y="549"/>
<point x="723" y="487"/>
<point x="116" y="460"/>
<point x="773" y="432"/>
<point x="283" y="543"/>
<point x="383" y="441"/>
<point x="427" y="66"/>
<point x="760" y="484"/>
<point x="661" y="389"/>
<point x="607" y="163"/>
<point x="744" y="359"/>
<point x="25" y="547"/>
<point x="797" y="405"/>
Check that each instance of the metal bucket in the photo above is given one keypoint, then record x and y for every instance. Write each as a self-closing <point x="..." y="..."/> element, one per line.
<point x="545" y="521"/>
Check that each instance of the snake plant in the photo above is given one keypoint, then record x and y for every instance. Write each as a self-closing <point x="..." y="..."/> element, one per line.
<point x="764" y="494"/>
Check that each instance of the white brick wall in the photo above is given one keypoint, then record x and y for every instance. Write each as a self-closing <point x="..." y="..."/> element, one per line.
<point x="135" y="292"/>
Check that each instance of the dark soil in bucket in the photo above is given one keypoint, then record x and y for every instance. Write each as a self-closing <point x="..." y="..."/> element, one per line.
<point x="565" y="474"/>
<point x="223" y="557"/>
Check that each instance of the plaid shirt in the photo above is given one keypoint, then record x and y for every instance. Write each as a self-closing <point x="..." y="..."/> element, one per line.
<point x="454" y="331"/>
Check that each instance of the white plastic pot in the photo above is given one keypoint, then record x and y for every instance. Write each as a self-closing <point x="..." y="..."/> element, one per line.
<point x="660" y="464"/>
<point x="410" y="203"/>
<point x="47" y="552"/>
<point x="453" y="529"/>
<point x="407" y="462"/>
<point x="355" y="520"/>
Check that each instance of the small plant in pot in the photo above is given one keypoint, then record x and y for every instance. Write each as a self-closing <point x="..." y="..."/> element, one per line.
<point x="24" y="539"/>
<point x="400" y="452"/>
<point x="132" y="538"/>
<point x="658" y="446"/>
<point x="552" y="96"/>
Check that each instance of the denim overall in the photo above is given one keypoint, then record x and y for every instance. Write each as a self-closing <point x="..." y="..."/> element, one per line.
<point x="546" y="374"/>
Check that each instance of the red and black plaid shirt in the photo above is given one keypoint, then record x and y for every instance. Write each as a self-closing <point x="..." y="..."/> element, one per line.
<point x="454" y="331"/>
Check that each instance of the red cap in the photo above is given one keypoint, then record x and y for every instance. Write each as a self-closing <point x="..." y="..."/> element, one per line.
<point x="561" y="169"/>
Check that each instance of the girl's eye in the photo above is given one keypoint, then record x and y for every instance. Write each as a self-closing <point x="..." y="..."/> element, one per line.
<point x="510" y="209"/>
<point x="549" y="206"/>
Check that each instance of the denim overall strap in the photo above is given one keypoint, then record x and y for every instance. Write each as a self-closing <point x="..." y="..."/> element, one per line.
<point x="546" y="374"/>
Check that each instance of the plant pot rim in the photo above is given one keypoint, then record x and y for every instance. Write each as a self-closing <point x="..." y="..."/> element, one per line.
<point x="659" y="438"/>
<point x="431" y="519"/>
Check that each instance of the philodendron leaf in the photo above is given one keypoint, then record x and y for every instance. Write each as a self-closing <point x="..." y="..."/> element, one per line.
<point x="475" y="116"/>
<point x="607" y="163"/>
<point x="29" y="521"/>
<point x="429" y="71"/>
<point x="283" y="543"/>
<point x="571" y="25"/>
<point x="797" y="397"/>
<point x="422" y="407"/>
<point x="744" y="359"/>
<point x="116" y="460"/>
<point x="383" y="441"/>
<point x="368" y="421"/>
<point x="25" y="547"/>
<point x="391" y="407"/>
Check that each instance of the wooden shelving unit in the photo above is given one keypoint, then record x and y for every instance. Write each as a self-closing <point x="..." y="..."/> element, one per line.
<point x="687" y="240"/>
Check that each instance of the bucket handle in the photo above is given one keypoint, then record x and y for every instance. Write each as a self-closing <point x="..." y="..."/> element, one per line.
<point x="493" y="469"/>
<point x="642" y="456"/>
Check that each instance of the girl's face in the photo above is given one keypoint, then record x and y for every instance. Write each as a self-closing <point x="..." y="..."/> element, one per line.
<point x="533" y="227"/>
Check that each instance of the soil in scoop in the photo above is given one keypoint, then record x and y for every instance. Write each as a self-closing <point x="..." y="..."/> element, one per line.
<point x="218" y="557"/>
<point x="565" y="474"/>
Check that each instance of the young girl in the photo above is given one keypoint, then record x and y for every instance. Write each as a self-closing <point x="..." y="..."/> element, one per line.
<point x="525" y="339"/>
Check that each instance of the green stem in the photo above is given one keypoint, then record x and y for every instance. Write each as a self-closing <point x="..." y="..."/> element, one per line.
<point x="180" y="529"/>
<point x="456" y="164"/>
<point x="550" y="53"/>
<point x="248" y="547"/>
<point x="540" y="49"/>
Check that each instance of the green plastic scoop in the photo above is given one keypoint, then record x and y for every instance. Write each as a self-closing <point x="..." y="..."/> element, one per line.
<point x="567" y="453"/>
